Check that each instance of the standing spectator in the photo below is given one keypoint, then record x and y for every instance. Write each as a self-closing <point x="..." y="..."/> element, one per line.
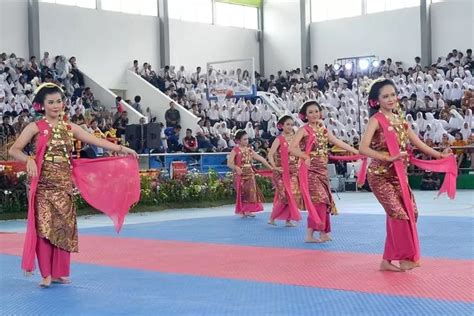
<point x="137" y="105"/>
<point x="172" y="116"/>
<point x="76" y="72"/>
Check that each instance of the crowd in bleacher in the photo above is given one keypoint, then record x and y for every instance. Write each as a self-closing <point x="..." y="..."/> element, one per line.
<point x="438" y="100"/>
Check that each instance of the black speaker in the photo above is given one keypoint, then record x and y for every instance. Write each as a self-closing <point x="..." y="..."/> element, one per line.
<point x="133" y="136"/>
<point x="153" y="139"/>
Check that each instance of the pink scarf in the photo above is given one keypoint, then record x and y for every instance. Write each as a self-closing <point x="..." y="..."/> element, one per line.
<point x="111" y="185"/>
<point x="361" y="175"/>
<point x="238" y="179"/>
<point x="303" y="177"/>
<point x="285" y="163"/>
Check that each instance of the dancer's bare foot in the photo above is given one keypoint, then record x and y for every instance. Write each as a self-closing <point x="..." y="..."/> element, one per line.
<point x="45" y="283"/>
<point x="290" y="224"/>
<point x="407" y="264"/>
<point x="250" y="214"/>
<point x="325" y="237"/>
<point x="61" y="280"/>
<point x="312" y="240"/>
<point x="388" y="266"/>
<point x="271" y="222"/>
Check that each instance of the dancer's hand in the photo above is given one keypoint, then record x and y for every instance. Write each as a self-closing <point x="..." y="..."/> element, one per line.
<point x="129" y="151"/>
<point x="446" y="153"/>
<point x="400" y="156"/>
<point x="278" y="169"/>
<point x="238" y="170"/>
<point x="31" y="167"/>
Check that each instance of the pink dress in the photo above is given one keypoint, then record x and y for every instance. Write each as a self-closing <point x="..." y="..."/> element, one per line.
<point x="249" y="198"/>
<point x="314" y="180"/>
<point x="287" y="200"/>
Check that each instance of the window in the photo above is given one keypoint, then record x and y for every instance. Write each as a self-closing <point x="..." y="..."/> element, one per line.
<point x="191" y="10"/>
<point x="236" y="15"/>
<point x="373" y="6"/>
<point x="323" y="10"/>
<point x="90" y="4"/>
<point x="143" y="7"/>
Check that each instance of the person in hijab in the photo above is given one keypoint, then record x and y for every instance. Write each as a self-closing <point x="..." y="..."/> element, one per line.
<point x="250" y="131"/>
<point x="456" y="121"/>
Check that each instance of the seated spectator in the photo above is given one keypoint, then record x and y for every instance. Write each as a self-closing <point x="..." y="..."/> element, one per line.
<point x="190" y="144"/>
<point x="172" y="135"/>
<point x="120" y="124"/>
<point x="459" y="142"/>
<point x="430" y="181"/>
<point x="6" y="130"/>
<point x="78" y="118"/>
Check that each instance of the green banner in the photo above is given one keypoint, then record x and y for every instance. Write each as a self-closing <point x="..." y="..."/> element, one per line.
<point x="248" y="3"/>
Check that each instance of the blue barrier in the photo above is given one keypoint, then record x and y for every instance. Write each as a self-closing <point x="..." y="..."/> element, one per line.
<point x="202" y="162"/>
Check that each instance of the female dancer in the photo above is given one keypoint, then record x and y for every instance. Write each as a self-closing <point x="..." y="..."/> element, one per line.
<point x="310" y="144"/>
<point x="248" y="196"/>
<point x="287" y="201"/>
<point x="52" y="228"/>
<point x="385" y="141"/>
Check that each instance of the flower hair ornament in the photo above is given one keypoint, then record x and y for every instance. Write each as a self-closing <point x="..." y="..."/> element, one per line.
<point x="302" y="116"/>
<point x="37" y="106"/>
<point x="280" y="126"/>
<point x="373" y="103"/>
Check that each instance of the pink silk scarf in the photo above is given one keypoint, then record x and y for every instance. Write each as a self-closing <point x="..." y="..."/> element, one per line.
<point x="362" y="174"/>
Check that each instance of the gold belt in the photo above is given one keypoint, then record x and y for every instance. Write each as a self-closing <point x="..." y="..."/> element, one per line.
<point x="56" y="159"/>
<point x="317" y="153"/>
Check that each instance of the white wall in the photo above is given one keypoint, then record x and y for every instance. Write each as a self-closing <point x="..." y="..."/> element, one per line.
<point x="394" y="34"/>
<point x="107" y="99"/>
<point x="104" y="42"/>
<point x="282" y="35"/>
<point x="14" y="27"/>
<point x="452" y="25"/>
<point x="195" y="44"/>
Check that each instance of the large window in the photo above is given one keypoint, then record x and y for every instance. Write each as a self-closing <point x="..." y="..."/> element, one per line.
<point x="91" y="4"/>
<point x="191" y="10"/>
<point x="323" y="10"/>
<point x="373" y="6"/>
<point x="143" y="7"/>
<point x="236" y="15"/>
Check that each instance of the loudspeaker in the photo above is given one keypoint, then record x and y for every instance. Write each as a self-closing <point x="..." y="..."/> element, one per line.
<point x="133" y="136"/>
<point x="153" y="139"/>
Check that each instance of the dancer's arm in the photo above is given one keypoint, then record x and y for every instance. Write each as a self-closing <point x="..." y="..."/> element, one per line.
<point x="262" y="160"/>
<point x="90" y="139"/>
<point x="415" y="140"/>
<point x="364" y="147"/>
<point x="272" y="151"/>
<point x="339" y="143"/>
<point x="16" y="151"/>
<point x="231" y="164"/>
